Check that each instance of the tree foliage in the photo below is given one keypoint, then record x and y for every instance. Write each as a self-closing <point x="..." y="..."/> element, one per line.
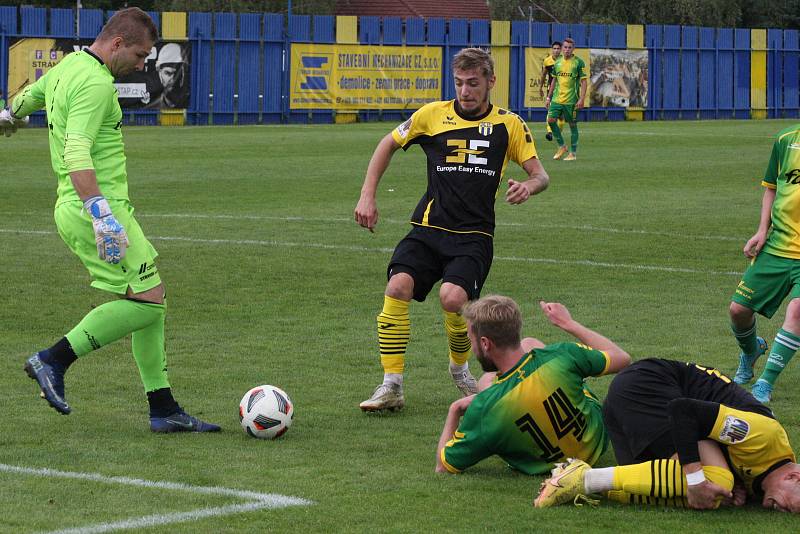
<point x="714" y="13"/>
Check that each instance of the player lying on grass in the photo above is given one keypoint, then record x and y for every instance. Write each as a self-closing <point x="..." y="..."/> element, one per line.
<point x="686" y="436"/>
<point x="95" y="218"/>
<point x="534" y="407"/>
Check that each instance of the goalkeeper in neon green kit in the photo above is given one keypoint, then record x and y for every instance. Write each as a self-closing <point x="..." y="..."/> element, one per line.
<point x="94" y="216"/>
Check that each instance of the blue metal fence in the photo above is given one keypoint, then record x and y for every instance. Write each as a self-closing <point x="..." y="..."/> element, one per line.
<point x="239" y="62"/>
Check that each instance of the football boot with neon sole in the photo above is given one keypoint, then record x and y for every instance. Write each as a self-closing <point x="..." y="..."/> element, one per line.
<point x="51" y="381"/>
<point x="385" y="397"/>
<point x="571" y="157"/>
<point x="181" y="422"/>
<point x="562" y="150"/>
<point x="744" y="373"/>
<point x="564" y="486"/>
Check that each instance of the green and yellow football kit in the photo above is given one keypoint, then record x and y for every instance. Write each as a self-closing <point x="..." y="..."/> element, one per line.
<point x="774" y="274"/>
<point x="568" y="73"/>
<point x="538" y="413"/>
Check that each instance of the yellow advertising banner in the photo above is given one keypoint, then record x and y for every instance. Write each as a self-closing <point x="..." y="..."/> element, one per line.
<point x="349" y="77"/>
<point x="28" y="60"/>
<point x="535" y="93"/>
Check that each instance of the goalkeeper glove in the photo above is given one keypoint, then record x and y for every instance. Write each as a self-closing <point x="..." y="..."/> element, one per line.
<point x="109" y="234"/>
<point x="9" y="123"/>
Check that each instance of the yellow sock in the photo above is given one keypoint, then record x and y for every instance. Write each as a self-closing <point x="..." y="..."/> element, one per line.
<point x="629" y="498"/>
<point x="394" y="331"/>
<point x="660" y="482"/>
<point x="549" y="130"/>
<point x="457" y="338"/>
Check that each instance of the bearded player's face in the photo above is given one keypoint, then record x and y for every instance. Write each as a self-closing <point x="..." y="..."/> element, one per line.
<point x="472" y="91"/>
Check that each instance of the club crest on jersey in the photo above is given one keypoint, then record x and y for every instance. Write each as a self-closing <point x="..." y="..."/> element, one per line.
<point x="485" y="128"/>
<point x="734" y="430"/>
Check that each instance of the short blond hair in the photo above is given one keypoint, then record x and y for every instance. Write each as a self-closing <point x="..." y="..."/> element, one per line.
<point x="497" y="318"/>
<point x="474" y="58"/>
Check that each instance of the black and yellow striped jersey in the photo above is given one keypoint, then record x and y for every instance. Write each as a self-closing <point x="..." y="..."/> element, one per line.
<point x="755" y="445"/>
<point x="547" y="65"/>
<point x="466" y="161"/>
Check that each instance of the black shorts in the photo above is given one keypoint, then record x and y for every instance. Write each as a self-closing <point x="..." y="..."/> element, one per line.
<point x="635" y="409"/>
<point x="430" y="255"/>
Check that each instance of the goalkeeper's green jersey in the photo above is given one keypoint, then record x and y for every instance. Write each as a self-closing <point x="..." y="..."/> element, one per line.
<point x="568" y="73"/>
<point x="80" y="99"/>
<point x="783" y="175"/>
<point x="538" y="413"/>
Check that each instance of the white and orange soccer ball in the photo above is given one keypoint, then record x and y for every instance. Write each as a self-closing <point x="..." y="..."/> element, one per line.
<point x="266" y="412"/>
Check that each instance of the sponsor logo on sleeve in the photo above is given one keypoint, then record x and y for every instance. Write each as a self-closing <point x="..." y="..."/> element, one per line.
<point x="404" y="128"/>
<point x="734" y="430"/>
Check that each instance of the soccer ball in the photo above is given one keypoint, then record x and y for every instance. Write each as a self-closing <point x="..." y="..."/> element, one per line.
<point x="266" y="412"/>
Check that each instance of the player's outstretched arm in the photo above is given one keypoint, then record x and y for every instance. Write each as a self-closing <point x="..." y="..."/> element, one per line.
<point x="29" y="100"/>
<point x="366" y="212"/>
<point x="559" y="316"/>
<point x="756" y="243"/>
<point x="9" y="123"/>
<point x="538" y="180"/>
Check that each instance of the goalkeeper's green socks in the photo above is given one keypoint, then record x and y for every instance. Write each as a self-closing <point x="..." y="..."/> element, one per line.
<point x="116" y="319"/>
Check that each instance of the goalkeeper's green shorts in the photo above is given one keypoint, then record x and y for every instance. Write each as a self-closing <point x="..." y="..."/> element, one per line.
<point x="136" y="270"/>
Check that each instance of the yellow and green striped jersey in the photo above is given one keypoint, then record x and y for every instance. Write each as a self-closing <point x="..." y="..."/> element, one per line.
<point x="80" y="99"/>
<point x="538" y="413"/>
<point x="568" y="74"/>
<point x="783" y="175"/>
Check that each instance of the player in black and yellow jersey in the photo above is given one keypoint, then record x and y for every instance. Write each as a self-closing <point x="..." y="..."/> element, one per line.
<point x="468" y="143"/>
<point x="691" y="437"/>
<point x="546" y="80"/>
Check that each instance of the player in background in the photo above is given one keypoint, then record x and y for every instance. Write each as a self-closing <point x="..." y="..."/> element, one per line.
<point x="546" y="80"/>
<point x="686" y="436"/>
<point x="468" y="143"/>
<point x="566" y="96"/>
<point x="774" y="272"/>
<point x="534" y="407"/>
<point x="95" y="218"/>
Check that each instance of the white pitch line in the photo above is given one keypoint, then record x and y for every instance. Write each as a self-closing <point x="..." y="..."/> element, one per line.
<point x="258" y="501"/>
<point x="384" y="250"/>
<point x="292" y="218"/>
<point x="301" y="219"/>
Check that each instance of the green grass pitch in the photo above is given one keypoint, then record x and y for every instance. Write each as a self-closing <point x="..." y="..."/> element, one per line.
<point x="270" y="281"/>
